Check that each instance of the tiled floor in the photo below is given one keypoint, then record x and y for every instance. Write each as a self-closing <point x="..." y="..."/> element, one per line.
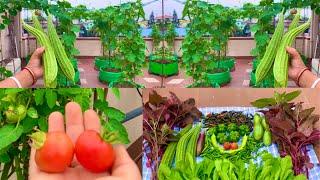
<point x="89" y="76"/>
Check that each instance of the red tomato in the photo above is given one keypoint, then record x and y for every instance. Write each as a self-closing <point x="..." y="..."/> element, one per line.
<point x="226" y="145"/>
<point x="93" y="153"/>
<point x="56" y="154"/>
<point x="234" y="146"/>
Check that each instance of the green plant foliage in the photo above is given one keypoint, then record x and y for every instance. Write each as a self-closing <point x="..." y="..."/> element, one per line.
<point x="121" y="38"/>
<point x="207" y="37"/>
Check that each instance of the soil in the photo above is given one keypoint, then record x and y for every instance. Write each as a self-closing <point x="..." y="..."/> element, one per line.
<point x="214" y="71"/>
<point x="112" y="70"/>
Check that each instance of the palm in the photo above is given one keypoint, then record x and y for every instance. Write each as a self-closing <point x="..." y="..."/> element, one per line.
<point x="76" y="123"/>
<point x="76" y="172"/>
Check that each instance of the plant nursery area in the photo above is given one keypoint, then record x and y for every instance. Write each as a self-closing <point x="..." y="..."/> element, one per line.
<point x="135" y="44"/>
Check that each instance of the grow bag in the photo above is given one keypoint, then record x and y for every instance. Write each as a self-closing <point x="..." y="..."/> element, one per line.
<point x="169" y="69"/>
<point x="108" y="77"/>
<point x="219" y="78"/>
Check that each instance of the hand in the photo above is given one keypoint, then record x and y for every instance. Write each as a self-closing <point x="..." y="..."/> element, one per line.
<point x="296" y="64"/>
<point x="124" y="167"/>
<point x="35" y="64"/>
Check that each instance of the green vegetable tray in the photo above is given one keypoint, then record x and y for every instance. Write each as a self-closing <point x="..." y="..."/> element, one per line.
<point x="314" y="173"/>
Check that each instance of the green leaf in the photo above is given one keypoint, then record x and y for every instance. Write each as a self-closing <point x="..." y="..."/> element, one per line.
<point x="75" y="29"/>
<point x="38" y="96"/>
<point x="100" y="105"/>
<point x="9" y="134"/>
<point x="29" y="124"/>
<point x="264" y="102"/>
<point x="100" y="94"/>
<point x="291" y="96"/>
<point x="113" y="113"/>
<point x="116" y="126"/>
<point x="51" y="98"/>
<point x="116" y="92"/>
<point x="4" y="158"/>
<point x="32" y="112"/>
<point x="255" y="28"/>
<point x="43" y="124"/>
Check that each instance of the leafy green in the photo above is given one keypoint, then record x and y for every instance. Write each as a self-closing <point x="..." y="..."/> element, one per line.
<point x="278" y="99"/>
<point x="9" y="134"/>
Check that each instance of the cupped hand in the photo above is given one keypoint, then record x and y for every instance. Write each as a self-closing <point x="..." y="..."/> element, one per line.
<point x="35" y="64"/>
<point x="124" y="167"/>
<point x="296" y="64"/>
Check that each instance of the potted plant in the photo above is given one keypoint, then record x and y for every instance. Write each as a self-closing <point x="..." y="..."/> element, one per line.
<point x="121" y="38"/>
<point x="105" y="25"/>
<point x="204" y="47"/>
<point x="163" y="61"/>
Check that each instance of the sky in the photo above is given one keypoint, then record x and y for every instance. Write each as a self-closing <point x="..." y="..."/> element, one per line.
<point x="155" y="5"/>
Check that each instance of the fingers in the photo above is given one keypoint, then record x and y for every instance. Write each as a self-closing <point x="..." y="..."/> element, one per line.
<point x="33" y="169"/>
<point x="74" y="120"/>
<point x="38" y="53"/>
<point x="124" y="166"/>
<point x="293" y="53"/>
<point x="56" y="122"/>
<point x="91" y="120"/>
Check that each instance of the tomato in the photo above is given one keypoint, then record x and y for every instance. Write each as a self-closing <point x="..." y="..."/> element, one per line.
<point x="56" y="153"/>
<point x="226" y="146"/>
<point x="15" y="114"/>
<point x="93" y="153"/>
<point x="234" y="146"/>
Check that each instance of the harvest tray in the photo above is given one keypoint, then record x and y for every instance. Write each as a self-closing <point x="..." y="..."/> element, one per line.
<point x="314" y="173"/>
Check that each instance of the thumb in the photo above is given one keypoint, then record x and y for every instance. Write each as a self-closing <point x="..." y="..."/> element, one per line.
<point x="124" y="166"/>
<point x="293" y="53"/>
<point x="38" y="53"/>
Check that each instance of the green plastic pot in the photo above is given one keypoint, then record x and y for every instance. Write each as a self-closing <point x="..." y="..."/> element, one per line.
<point x="167" y="69"/>
<point x="219" y="78"/>
<point x="108" y="77"/>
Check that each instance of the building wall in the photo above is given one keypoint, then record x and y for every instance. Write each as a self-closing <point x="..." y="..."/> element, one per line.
<point x="237" y="47"/>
